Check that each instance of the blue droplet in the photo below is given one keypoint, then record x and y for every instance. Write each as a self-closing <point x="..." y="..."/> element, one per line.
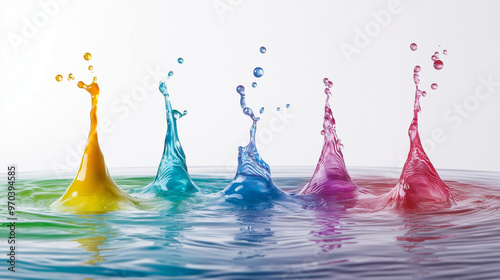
<point x="258" y="72"/>
<point x="254" y="84"/>
<point x="170" y="73"/>
<point x="240" y="89"/>
<point x="263" y="49"/>
<point x="261" y="110"/>
<point x="288" y="105"/>
<point x="180" y="60"/>
<point x="277" y="109"/>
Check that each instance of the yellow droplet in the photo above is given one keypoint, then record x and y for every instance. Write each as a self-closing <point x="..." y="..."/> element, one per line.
<point x="95" y="79"/>
<point x="80" y="84"/>
<point x="71" y="77"/>
<point x="87" y="56"/>
<point x="91" y="68"/>
<point x="59" y="78"/>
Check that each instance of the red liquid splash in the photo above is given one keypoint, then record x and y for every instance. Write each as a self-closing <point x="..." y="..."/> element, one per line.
<point x="330" y="176"/>
<point x="419" y="185"/>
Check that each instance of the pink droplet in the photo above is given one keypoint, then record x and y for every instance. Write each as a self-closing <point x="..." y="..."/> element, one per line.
<point x="413" y="47"/>
<point x="424" y="93"/>
<point x="436" y="53"/>
<point x="434" y="58"/>
<point x="438" y="64"/>
<point x="416" y="69"/>
<point x="445" y="52"/>
<point x="434" y="86"/>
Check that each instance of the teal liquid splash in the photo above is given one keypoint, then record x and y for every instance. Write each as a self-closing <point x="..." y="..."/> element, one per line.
<point x="252" y="183"/>
<point x="172" y="174"/>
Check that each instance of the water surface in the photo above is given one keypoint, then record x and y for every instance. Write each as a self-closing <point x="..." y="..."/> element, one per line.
<point x="201" y="236"/>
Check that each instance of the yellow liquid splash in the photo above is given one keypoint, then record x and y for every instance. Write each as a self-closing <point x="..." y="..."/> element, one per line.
<point x="93" y="190"/>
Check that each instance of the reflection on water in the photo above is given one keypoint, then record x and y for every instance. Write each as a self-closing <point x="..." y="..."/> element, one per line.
<point x="255" y="228"/>
<point x="96" y="232"/>
<point x="418" y="231"/>
<point x="171" y="232"/>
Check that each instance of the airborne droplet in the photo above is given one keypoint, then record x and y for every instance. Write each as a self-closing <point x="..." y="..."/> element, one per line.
<point x="59" y="78"/>
<point x="254" y="84"/>
<point x="87" y="56"/>
<point x="434" y="86"/>
<point x="180" y="60"/>
<point x="263" y="49"/>
<point x="413" y="47"/>
<point x="240" y="89"/>
<point x="438" y="64"/>
<point x="258" y="72"/>
<point x="288" y="105"/>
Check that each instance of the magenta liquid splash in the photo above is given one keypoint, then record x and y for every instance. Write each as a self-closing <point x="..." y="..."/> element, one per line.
<point x="419" y="185"/>
<point x="330" y="176"/>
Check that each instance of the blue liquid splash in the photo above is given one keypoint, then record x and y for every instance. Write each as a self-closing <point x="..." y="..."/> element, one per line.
<point x="261" y="110"/>
<point x="254" y="84"/>
<point x="172" y="174"/>
<point x="263" y="49"/>
<point x="180" y="60"/>
<point x="287" y="106"/>
<point x="258" y="72"/>
<point x="252" y="183"/>
<point x="170" y="73"/>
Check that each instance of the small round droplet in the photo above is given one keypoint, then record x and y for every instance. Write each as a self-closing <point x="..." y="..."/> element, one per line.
<point x="417" y="69"/>
<point x="434" y="58"/>
<point x="413" y="47"/>
<point x="445" y="52"/>
<point x="287" y="105"/>
<point x="240" y="89"/>
<point x="170" y="73"/>
<point x="87" y="56"/>
<point x="59" y="78"/>
<point x="71" y="77"/>
<point x="434" y="86"/>
<point x="80" y="84"/>
<point x="95" y="79"/>
<point x="180" y="60"/>
<point x="263" y="49"/>
<point x="261" y="110"/>
<point x="277" y="109"/>
<point x="258" y="72"/>
<point x="424" y="93"/>
<point x="91" y="68"/>
<point x="254" y="84"/>
<point x="438" y="64"/>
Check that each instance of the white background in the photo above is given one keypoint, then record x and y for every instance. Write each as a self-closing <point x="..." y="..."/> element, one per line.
<point x="43" y="123"/>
